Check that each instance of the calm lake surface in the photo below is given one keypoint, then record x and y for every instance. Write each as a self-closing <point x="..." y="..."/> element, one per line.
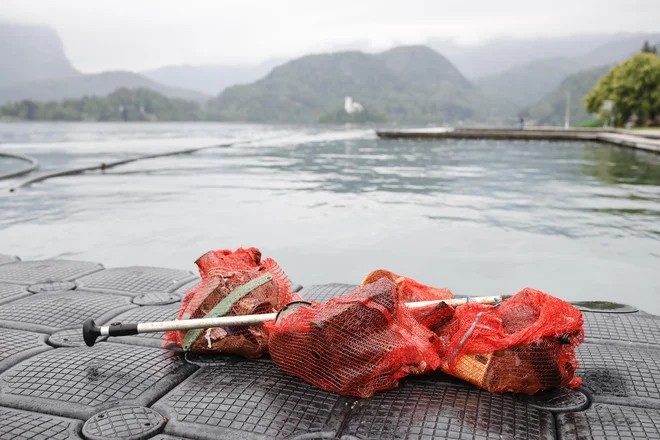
<point x="578" y="220"/>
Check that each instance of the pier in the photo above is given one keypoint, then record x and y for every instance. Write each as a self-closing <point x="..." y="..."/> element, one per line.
<point x="626" y="138"/>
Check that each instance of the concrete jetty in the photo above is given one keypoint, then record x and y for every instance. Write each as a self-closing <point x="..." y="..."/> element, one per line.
<point x="627" y="138"/>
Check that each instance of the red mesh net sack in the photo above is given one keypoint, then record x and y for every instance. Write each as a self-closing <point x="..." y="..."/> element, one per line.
<point x="435" y="317"/>
<point x="410" y="290"/>
<point x="356" y="344"/>
<point x="233" y="283"/>
<point x="524" y="345"/>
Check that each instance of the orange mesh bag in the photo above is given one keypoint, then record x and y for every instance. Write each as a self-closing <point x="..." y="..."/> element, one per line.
<point x="434" y="317"/>
<point x="524" y="345"/>
<point x="411" y="290"/>
<point x="356" y="344"/>
<point x="233" y="283"/>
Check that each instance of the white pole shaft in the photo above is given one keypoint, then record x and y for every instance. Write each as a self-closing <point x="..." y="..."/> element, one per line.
<point x="191" y="324"/>
<point x="230" y="321"/>
<point x="456" y="301"/>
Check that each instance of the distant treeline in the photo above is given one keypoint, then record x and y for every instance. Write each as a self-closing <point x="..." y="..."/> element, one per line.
<point x="338" y="115"/>
<point x="410" y="84"/>
<point x="144" y="105"/>
<point x="121" y="105"/>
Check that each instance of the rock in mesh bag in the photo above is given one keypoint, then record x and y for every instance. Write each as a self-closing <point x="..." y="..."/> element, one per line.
<point x="356" y="344"/>
<point x="524" y="345"/>
<point x="367" y="340"/>
<point x="233" y="283"/>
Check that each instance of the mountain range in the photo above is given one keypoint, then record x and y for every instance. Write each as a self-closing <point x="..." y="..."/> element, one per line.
<point x="550" y="110"/>
<point x="527" y="83"/>
<point x="39" y="70"/>
<point x="31" y="53"/>
<point x="445" y="83"/>
<point x="501" y="54"/>
<point x="408" y="84"/>
<point x="210" y="79"/>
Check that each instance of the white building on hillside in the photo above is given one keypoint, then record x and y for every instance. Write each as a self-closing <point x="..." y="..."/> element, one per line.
<point x="351" y="106"/>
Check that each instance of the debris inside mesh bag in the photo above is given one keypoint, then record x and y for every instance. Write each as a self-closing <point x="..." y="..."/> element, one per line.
<point x="233" y="283"/>
<point x="356" y="344"/>
<point x="410" y="290"/>
<point x="369" y="339"/>
<point x="524" y="345"/>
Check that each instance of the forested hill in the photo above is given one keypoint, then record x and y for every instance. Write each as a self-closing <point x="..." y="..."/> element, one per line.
<point x="121" y="105"/>
<point x="551" y="109"/>
<point x="407" y="84"/>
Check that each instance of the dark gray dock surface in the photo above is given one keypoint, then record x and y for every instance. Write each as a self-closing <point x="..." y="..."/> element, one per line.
<point x="625" y="138"/>
<point x="52" y="386"/>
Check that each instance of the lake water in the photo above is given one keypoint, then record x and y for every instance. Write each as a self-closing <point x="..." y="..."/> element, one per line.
<point x="578" y="220"/>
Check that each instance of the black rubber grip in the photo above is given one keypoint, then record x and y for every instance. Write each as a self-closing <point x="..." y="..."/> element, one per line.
<point x="119" y="329"/>
<point x="90" y="332"/>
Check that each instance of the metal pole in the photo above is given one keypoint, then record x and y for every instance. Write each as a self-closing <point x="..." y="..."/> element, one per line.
<point x="91" y="331"/>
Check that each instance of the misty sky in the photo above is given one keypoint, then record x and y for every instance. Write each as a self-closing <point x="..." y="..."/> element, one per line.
<point x="137" y="34"/>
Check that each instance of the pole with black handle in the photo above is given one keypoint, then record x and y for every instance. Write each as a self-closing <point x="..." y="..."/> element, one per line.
<point x="91" y="331"/>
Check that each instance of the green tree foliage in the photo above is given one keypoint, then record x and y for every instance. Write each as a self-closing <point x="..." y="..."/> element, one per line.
<point x="338" y="115"/>
<point x="590" y="124"/>
<point x="633" y="86"/>
<point x="121" y="105"/>
<point x="647" y="48"/>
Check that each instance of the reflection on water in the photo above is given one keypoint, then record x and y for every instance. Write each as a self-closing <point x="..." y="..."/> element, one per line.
<point x="481" y="217"/>
<point x="622" y="165"/>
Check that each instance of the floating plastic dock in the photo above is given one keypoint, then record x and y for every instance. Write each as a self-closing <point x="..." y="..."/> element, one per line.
<point x="52" y="386"/>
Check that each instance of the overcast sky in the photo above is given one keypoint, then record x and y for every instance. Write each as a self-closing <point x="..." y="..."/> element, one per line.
<point x="137" y="34"/>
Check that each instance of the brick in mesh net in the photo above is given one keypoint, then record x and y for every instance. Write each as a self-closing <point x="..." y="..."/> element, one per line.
<point x="233" y="283"/>
<point x="524" y="345"/>
<point x="356" y="344"/>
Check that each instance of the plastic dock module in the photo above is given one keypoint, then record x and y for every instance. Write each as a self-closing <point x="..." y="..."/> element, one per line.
<point x="4" y="259"/>
<point x="33" y="272"/>
<point x="78" y="382"/>
<point x="16" y="424"/>
<point x="244" y="399"/>
<point x="52" y="386"/>
<point x="428" y="409"/>
<point x="624" y="329"/>
<point x="146" y="314"/>
<point x="136" y="280"/>
<point x="10" y="292"/>
<point x="49" y="312"/>
<point x="616" y="374"/>
<point x="610" y="421"/>
<point x="325" y="292"/>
